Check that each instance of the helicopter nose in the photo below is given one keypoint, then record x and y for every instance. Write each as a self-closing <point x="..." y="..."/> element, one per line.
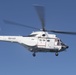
<point x="65" y="47"/>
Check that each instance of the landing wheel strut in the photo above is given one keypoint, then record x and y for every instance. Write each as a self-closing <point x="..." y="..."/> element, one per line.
<point x="56" y="54"/>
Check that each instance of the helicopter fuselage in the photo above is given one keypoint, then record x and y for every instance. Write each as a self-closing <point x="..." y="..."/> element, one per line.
<point x="38" y="42"/>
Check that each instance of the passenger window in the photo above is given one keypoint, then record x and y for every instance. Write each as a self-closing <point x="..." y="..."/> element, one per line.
<point x="48" y="40"/>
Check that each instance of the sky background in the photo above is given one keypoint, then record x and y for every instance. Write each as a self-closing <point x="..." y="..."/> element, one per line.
<point x="15" y="59"/>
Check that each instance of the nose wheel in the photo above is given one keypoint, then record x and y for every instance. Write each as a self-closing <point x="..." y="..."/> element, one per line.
<point x="56" y="54"/>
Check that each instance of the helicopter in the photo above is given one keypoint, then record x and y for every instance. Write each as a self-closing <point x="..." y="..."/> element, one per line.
<point x="41" y="40"/>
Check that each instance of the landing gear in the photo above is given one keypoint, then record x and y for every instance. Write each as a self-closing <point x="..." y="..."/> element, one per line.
<point x="34" y="54"/>
<point x="56" y="54"/>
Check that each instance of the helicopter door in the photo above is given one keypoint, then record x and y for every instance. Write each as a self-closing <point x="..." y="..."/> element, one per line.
<point x="50" y="43"/>
<point x="41" y="43"/>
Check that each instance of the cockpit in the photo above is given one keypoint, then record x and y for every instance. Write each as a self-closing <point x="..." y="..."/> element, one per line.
<point x="59" y="42"/>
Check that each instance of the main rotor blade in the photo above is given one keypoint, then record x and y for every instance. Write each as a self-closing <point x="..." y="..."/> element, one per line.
<point x="41" y="13"/>
<point x="17" y="24"/>
<point x="62" y="32"/>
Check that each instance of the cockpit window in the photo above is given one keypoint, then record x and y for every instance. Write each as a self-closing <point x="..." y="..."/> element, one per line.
<point x="58" y="42"/>
<point x="32" y="35"/>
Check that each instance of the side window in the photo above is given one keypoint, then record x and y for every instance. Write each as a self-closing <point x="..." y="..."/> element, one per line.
<point x="48" y="40"/>
<point x="57" y="41"/>
<point x="42" y="39"/>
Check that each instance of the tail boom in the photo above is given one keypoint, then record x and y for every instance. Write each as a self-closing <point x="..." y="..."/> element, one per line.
<point x="10" y="38"/>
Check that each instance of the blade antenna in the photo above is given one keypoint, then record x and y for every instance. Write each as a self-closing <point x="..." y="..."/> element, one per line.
<point x="41" y="13"/>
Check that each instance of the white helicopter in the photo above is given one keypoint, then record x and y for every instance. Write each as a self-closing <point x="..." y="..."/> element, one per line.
<point x="39" y="41"/>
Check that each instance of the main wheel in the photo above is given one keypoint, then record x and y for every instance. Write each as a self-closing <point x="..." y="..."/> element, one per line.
<point x="56" y="54"/>
<point x="34" y="54"/>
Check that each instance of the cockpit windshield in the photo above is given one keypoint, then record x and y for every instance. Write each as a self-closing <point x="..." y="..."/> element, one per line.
<point x="62" y="43"/>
